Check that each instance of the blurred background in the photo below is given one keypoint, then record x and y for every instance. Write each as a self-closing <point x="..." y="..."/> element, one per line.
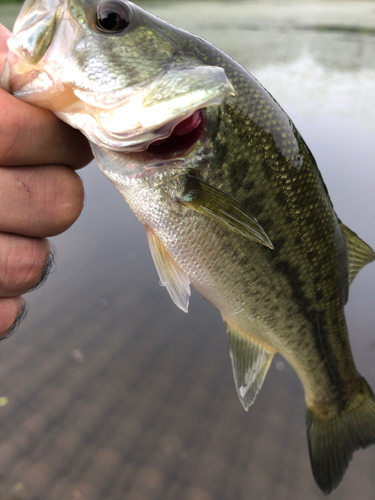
<point x="108" y="391"/>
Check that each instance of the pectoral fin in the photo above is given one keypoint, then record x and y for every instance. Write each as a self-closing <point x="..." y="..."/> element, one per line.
<point x="250" y="363"/>
<point x="209" y="201"/>
<point x="170" y="275"/>
<point x="359" y="253"/>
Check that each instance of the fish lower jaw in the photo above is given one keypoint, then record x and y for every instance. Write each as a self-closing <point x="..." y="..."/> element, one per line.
<point x="170" y="141"/>
<point x="182" y="138"/>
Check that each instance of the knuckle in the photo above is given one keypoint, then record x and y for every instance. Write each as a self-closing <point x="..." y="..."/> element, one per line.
<point x="30" y="272"/>
<point x="48" y="267"/>
<point x="22" y="263"/>
<point x="32" y="266"/>
<point x="12" y="311"/>
<point x="11" y="127"/>
<point x="67" y="201"/>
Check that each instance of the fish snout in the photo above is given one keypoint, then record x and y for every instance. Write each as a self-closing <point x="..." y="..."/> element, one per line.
<point x="31" y="43"/>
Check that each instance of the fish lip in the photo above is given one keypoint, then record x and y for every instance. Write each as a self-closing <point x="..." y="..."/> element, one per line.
<point x="161" y="146"/>
<point x="181" y="143"/>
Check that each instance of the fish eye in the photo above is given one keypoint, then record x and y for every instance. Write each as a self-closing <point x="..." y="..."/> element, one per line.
<point x="112" y="17"/>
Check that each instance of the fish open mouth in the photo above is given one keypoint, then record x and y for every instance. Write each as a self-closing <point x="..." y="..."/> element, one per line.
<point x="162" y="118"/>
<point x="183" y="137"/>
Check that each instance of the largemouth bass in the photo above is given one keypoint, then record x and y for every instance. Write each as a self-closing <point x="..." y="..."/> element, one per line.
<point x="230" y="195"/>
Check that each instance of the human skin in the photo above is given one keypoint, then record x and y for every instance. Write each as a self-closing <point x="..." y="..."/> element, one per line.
<point x="40" y="194"/>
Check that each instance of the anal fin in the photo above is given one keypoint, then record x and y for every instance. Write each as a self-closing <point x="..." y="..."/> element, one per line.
<point x="170" y="275"/>
<point x="250" y="363"/>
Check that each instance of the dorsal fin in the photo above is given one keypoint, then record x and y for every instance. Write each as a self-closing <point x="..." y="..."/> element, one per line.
<point x="170" y="275"/>
<point x="250" y="363"/>
<point x="359" y="253"/>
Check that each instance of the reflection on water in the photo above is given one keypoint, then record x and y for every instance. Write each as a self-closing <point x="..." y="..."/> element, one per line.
<point x="111" y="392"/>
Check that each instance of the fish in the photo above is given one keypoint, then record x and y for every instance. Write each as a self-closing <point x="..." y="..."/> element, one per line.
<point x="231" y="197"/>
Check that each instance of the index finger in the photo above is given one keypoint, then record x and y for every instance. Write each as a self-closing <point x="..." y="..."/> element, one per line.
<point x="35" y="136"/>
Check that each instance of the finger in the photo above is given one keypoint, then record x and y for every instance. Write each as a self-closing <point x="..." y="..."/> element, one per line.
<point x="24" y="264"/>
<point x="35" y="136"/>
<point x="31" y="135"/>
<point x="49" y="267"/>
<point x="39" y="201"/>
<point x="12" y="312"/>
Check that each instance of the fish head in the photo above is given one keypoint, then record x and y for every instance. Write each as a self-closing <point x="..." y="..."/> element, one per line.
<point x="110" y="69"/>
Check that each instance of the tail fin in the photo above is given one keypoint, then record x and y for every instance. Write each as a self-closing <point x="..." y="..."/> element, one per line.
<point x="333" y="439"/>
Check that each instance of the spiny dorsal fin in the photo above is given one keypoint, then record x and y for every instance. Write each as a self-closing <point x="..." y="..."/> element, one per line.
<point x="209" y="201"/>
<point x="170" y="275"/>
<point x="359" y="253"/>
<point x="250" y="363"/>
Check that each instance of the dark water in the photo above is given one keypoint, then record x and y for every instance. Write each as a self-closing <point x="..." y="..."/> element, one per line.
<point x="112" y="392"/>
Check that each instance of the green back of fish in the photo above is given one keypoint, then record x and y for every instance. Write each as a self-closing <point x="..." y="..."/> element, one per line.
<point x="260" y="159"/>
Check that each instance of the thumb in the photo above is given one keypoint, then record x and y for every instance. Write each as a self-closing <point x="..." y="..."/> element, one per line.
<point x="4" y="35"/>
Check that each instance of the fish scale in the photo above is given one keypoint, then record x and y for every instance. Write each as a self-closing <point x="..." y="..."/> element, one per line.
<point x="236" y="207"/>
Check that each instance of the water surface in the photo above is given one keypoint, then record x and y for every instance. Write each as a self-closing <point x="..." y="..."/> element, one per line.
<point x="113" y="392"/>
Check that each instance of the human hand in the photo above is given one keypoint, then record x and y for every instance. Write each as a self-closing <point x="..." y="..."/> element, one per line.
<point x="40" y="194"/>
